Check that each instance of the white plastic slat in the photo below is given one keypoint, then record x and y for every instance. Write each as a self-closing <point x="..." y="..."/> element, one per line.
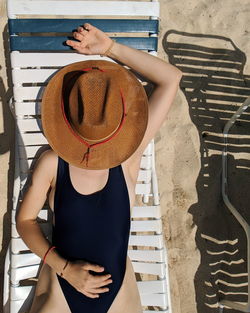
<point x="29" y="124"/>
<point x="146" y="211"/>
<point x="146" y="240"/>
<point x="25" y="272"/>
<point x="142" y="189"/>
<point x="149" y="268"/>
<point x="32" y="139"/>
<point x="15" y="306"/>
<point x="27" y="259"/>
<point x="19" y="59"/>
<point x="144" y="175"/>
<point x="157" y="299"/>
<point x="20" y="292"/>
<point x="152" y="286"/>
<point x="21" y="76"/>
<point x="28" y="93"/>
<point x="27" y="108"/>
<point x="146" y="255"/>
<point x="146" y="162"/>
<point x="154" y="225"/>
<point x="149" y="148"/>
<point x="96" y="8"/>
<point x="29" y="151"/>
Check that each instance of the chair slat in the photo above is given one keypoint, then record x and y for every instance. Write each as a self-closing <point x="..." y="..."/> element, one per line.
<point x="25" y="272"/>
<point x="156" y="299"/>
<point x="57" y="43"/>
<point x="20" y="293"/>
<point x="149" y="268"/>
<point x="152" y="225"/>
<point x="28" y="93"/>
<point x="146" y="240"/>
<point x="15" y="306"/>
<point x="68" y="25"/>
<point x="27" y="108"/>
<point x="21" y="76"/>
<point x="27" y="259"/>
<point x="29" y="59"/>
<point x="96" y="8"/>
<point x="146" y="211"/>
<point x="146" y="255"/>
<point x="152" y="286"/>
<point x="32" y="139"/>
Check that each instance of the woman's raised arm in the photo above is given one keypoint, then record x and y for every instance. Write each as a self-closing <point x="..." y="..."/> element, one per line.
<point x="164" y="75"/>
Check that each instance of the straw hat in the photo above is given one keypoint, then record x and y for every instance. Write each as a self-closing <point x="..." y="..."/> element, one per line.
<point x="94" y="114"/>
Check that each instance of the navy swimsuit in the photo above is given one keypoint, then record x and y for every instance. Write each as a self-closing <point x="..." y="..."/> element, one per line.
<point x="94" y="228"/>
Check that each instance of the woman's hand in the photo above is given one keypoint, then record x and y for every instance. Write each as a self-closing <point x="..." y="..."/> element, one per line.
<point x="77" y="274"/>
<point x="91" y="40"/>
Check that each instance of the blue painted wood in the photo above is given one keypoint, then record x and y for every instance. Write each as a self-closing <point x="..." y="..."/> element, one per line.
<point x="68" y="25"/>
<point x="49" y="43"/>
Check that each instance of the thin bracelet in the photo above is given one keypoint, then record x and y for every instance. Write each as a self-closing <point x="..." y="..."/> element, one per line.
<point x="67" y="262"/>
<point x="109" y="48"/>
<point x="50" y="249"/>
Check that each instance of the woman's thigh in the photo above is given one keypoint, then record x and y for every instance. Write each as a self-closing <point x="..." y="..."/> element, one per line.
<point x="48" y="297"/>
<point x="128" y="297"/>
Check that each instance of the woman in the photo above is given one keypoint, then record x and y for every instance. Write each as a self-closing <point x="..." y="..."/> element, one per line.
<point x="66" y="284"/>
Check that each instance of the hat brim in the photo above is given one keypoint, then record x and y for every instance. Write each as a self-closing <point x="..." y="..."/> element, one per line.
<point x="108" y="154"/>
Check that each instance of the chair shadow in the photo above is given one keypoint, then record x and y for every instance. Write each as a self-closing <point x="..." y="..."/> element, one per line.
<point x="215" y="86"/>
<point x="6" y="145"/>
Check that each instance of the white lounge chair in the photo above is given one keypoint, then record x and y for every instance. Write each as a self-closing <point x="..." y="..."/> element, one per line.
<point x="34" y="58"/>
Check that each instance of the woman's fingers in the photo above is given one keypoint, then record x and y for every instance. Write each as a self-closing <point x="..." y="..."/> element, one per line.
<point x="82" y="31"/>
<point x="90" y="295"/>
<point x="78" y="36"/>
<point x="99" y="290"/>
<point x="88" y="26"/>
<point x="73" y="44"/>
<point x="100" y="282"/>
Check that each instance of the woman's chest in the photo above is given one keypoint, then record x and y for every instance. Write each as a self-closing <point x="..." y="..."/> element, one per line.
<point x="84" y="189"/>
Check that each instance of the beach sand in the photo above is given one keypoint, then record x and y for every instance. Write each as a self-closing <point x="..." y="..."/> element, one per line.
<point x="209" y="42"/>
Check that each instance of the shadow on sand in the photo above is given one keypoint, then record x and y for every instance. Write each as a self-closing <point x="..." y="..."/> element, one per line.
<point x="215" y="86"/>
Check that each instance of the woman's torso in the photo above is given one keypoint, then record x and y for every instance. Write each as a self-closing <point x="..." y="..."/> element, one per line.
<point x="128" y="293"/>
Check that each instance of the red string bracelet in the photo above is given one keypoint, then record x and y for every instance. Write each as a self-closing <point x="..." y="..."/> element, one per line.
<point x="50" y="249"/>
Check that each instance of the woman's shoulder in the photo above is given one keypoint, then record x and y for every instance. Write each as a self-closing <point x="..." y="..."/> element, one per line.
<point x="46" y="164"/>
<point x="48" y="157"/>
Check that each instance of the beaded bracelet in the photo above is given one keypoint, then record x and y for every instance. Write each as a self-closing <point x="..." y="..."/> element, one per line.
<point x="108" y="50"/>
<point x="67" y="262"/>
<point x="50" y="249"/>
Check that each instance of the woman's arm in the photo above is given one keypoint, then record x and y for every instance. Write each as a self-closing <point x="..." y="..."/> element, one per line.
<point x="165" y="76"/>
<point x="33" y="201"/>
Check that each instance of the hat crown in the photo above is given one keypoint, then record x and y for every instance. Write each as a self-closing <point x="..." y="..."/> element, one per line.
<point x="90" y="89"/>
<point x="94" y="105"/>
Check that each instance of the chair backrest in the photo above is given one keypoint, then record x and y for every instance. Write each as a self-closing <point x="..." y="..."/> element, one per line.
<point x="37" y="31"/>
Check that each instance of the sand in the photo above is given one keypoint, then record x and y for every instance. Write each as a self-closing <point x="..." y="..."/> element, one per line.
<point x="209" y="42"/>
